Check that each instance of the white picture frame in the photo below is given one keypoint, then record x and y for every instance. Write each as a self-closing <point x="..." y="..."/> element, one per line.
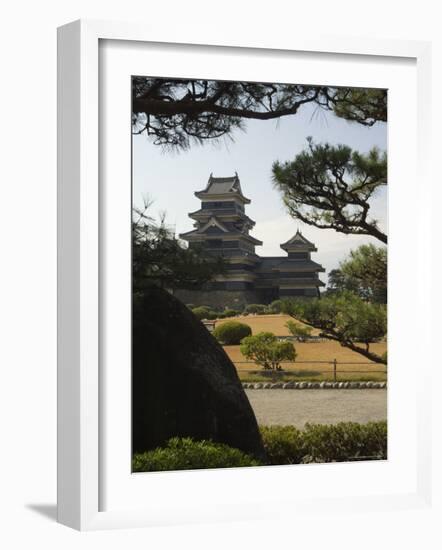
<point x="79" y="269"/>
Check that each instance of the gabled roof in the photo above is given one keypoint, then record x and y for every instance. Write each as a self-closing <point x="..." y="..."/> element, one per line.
<point x="213" y="222"/>
<point x="298" y="241"/>
<point x="222" y="186"/>
<point x="231" y="215"/>
<point x="198" y="234"/>
<point x="295" y="265"/>
<point x="280" y="263"/>
<point x="219" y="186"/>
<point x="268" y="263"/>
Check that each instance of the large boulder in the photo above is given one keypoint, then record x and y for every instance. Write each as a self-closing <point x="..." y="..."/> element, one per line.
<point x="183" y="382"/>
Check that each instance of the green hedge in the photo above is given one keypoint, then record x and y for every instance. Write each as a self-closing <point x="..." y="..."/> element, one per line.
<point x="231" y="332"/>
<point x="203" y="312"/>
<point x="206" y="312"/>
<point x="230" y="313"/>
<point x="275" y="307"/>
<point x="260" y="309"/>
<point x="346" y="441"/>
<point x="187" y="454"/>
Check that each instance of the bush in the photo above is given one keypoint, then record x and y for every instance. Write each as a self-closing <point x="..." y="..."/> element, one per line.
<point x="266" y="350"/>
<point x="260" y="309"/>
<point x="301" y="332"/>
<point x="204" y="312"/>
<point x="283" y="444"/>
<point x="231" y="332"/>
<point x="230" y="313"/>
<point x="275" y="306"/>
<point x="346" y="441"/>
<point x="188" y="454"/>
<point x="191" y="306"/>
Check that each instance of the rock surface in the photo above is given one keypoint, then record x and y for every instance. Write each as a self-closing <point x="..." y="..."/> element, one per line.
<point x="183" y="383"/>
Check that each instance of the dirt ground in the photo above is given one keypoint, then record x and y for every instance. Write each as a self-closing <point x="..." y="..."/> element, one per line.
<point x="296" y="408"/>
<point x="314" y="352"/>
<point x="311" y="356"/>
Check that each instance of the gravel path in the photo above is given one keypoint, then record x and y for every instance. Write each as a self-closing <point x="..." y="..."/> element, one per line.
<point x="296" y="407"/>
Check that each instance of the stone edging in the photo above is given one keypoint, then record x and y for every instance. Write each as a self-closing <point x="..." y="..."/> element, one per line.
<point x="313" y="385"/>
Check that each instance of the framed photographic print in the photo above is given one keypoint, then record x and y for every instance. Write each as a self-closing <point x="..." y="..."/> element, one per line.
<point x="223" y="276"/>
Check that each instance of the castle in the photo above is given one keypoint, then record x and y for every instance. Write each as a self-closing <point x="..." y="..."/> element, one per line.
<point x="223" y="228"/>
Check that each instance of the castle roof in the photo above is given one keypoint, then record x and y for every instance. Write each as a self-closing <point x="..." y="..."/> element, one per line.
<point x="216" y="226"/>
<point x="296" y="265"/>
<point x="298" y="242"/>
<point x="225" y="212"/>
<point x="222" y="186"/>
<point x="278" y="263"/>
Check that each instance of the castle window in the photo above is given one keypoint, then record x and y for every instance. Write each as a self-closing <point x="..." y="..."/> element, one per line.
<point x="212" y="243"/>
<point x="221" y="205"/>
<point x="292" y="292"/>
<point x="230" y="244"/>
<point x="298" y="255"/>
<point x="299" y="275"/>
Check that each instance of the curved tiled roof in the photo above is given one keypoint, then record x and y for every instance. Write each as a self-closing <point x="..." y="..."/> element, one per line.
<point x="298" y="239"/>
<point x="222" y="186"/>
<point x="279" y="263"/>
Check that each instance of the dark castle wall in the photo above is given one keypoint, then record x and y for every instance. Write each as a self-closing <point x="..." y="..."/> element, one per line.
<point x="219" y="299"/>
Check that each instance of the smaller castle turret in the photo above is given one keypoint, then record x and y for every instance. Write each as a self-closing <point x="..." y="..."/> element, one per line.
<point x="298" y="273"/>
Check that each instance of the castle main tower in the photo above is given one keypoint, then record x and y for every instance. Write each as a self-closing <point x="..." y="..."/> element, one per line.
<point x="223" y="228"/>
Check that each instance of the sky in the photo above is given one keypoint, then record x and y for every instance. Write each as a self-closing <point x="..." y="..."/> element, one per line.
<point x="171" y="178"/>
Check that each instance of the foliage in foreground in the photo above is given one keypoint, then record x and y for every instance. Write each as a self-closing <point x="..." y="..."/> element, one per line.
<point x="176" y="113"/>
<point x="325" y="443"/>
<point x="159" y="258"/>
<point x="330" y="187"/>
<point x="232" y="332"/>
<point x="266" y="350"/>
<point x="346" y="441"/>
<point x="187" y="454"/>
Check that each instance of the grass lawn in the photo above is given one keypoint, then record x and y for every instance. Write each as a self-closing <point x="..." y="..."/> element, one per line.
<point x="308" y="364"/>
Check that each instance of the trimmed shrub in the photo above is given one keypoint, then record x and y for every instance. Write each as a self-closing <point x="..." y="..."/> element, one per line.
<point x="283" y="444"/>
<point x="266" y="350"/>
<point x="231" y="333"/>
<point x="275" y="306"/>
<point x="260" y="309"/>
<point x="346" y="441"/>
<point x="230" y="313"/>
<point x="204" y="312"/>
<point x="188" y="454"/>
